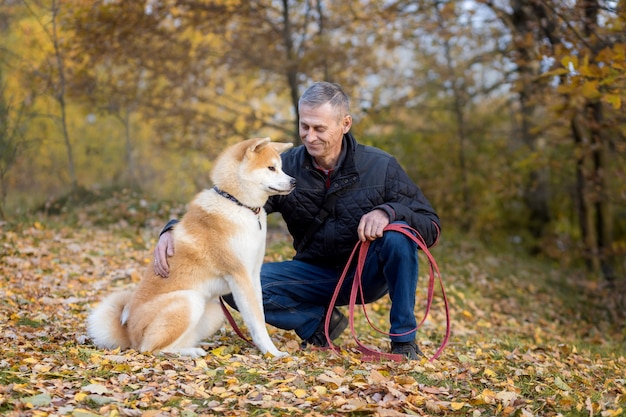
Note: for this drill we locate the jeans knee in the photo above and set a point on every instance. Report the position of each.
(398, 242)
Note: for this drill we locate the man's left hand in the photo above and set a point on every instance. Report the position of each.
(372, 225)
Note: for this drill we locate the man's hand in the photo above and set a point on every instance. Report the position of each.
(372, 225)
(163, 249)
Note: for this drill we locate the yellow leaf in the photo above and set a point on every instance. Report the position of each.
(80, 396)
(42, 368)
(489, 373)
(201, 364)
(417, 400)
(486, 397)
(613, 413)
(590, 71)
(220, 352)
(320, 390)
(590, 90)
(564, 89)
(23, 388)
(558, 71)
(281, 381)
(300, 393)
(456, 406)
(484, 323)
(567, 60)
(81, 412)
(614, 100)
(404, 380)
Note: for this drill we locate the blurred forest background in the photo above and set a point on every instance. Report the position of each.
(509, 114)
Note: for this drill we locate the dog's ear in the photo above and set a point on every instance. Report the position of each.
(280, 147)
(257, 145)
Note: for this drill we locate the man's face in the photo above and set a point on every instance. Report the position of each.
(321, 131)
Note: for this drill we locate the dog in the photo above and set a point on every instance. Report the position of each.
(219, 248)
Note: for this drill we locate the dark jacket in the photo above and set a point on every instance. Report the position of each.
(365, 178)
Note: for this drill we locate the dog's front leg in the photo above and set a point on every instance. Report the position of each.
(250, 304)
(258, 289)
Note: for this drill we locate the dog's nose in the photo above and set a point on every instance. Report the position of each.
(293, 182)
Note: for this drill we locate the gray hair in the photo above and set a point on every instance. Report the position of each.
(324, 92)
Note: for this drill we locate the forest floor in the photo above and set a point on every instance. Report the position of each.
(528, 338)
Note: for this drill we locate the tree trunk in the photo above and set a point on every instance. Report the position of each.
(291, 67)
(599, 201)
(580, 201)
(60, 97)
(459, 114)
(130, 161)
(536, 191)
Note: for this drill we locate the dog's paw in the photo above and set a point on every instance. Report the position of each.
(278, 354)
(193, 352)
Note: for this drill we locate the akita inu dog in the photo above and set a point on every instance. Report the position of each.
(219, 248)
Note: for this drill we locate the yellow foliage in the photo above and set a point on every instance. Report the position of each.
(615, 100)
(590, 90)
(568, 60)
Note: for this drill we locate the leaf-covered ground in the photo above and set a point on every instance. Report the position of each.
(528, 339)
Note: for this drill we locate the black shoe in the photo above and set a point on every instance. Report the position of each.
(410, 350)
(338, 323)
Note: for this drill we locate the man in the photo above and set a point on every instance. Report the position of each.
(361, 190)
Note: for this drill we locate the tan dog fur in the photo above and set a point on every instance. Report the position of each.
(219, 249)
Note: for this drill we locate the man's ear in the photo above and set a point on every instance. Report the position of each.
(346, 123)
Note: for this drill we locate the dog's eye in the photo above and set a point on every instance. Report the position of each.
(272, 168)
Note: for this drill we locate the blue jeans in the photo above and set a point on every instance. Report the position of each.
(296, 294)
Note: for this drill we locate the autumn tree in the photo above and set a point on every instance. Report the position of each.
(588, 69)
(12, 143)
(594, 94)
(532, 29)
(447, 108)
(13, 111)
(509, 113)
(40, 70)
(55, 79)
(562, 45)
(200, 62)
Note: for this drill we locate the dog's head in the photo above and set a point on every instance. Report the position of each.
(253, 167)
(262, 165)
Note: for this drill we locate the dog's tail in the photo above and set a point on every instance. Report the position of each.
(106, 324)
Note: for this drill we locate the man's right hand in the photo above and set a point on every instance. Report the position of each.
(163, 250)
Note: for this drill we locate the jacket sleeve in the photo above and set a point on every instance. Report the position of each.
(406, 202)
(273, 203)
(169, 226)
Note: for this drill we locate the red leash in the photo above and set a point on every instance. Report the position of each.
(232, 321)
(357, 287)
(370, 354)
